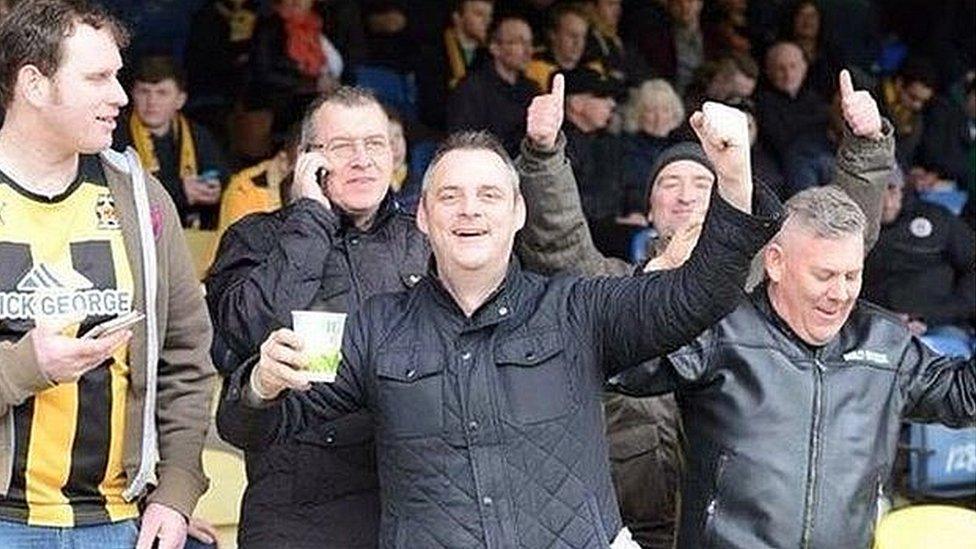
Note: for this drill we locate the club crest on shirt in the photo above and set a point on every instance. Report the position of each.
(108, 219)
(920, 227)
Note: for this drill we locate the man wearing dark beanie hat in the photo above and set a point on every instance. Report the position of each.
(644, 433)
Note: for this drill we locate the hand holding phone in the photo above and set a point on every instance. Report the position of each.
(311, 173)
(114, 325)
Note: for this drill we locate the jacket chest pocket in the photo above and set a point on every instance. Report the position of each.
(535, 377)
(410, 392)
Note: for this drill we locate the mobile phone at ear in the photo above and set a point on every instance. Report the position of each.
(114, 325)
(320, 176)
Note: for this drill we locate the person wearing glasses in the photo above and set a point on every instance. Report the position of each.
(341, 240)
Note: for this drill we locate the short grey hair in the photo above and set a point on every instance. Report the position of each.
(656, 89)
(344, 96)
(470, 141)
(828, 212)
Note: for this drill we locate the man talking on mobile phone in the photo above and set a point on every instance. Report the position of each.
(341, 240)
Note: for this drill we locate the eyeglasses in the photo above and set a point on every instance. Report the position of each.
(344, 149)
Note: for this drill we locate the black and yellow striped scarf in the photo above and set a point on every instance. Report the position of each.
(143, 142)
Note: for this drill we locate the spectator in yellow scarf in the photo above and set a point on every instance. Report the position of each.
(183, 155)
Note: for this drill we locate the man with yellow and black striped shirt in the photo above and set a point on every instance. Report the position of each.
(92, 430)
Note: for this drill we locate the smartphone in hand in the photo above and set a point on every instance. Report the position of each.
(114, 325)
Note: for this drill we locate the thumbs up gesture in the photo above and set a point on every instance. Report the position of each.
(545, 115)
(724, 135)
(859, 108)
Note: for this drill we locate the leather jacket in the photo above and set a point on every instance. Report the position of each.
(789, 444)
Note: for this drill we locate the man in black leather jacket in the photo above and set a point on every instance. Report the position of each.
(792, 404)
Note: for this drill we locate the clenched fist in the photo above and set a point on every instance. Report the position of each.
(724, 135)
(545, 115)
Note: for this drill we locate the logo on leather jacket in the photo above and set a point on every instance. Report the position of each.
(863, 355)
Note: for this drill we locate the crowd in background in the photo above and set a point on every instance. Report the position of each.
(222, 93)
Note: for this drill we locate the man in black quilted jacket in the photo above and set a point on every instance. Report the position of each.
(342, 240)
(484, 379)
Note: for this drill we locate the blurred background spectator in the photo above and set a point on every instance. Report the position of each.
(291, 62)
(650, 117)
(495, 96)
(793, 119)
(445, 63)
(182, 154)
(566, 44)
(924, 268)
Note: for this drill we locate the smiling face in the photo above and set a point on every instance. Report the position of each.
(356, 142)
(680, 195)
(814, 281)
(80, 102)
(470, 212)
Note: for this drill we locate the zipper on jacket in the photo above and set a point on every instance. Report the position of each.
(712, 506)
(809, 502)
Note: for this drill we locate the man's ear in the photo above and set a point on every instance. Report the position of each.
(181, 100)
(774, 261)
(519, 212)
(33, 86)
(422, 215)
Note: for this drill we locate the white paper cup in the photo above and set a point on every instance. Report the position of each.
(321, 335)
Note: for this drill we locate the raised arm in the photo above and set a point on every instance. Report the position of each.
(938, 388)
(556, 236)
(257, 280)
(639, 318)
(866, 155)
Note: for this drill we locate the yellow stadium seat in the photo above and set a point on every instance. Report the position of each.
(927, 527)
(221, 504)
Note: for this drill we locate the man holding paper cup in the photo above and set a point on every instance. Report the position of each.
(483, 379)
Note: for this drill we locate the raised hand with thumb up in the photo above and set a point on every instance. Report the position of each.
(859, 108)
(545, 115)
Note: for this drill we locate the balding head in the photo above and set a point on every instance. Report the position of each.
(786, 67)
